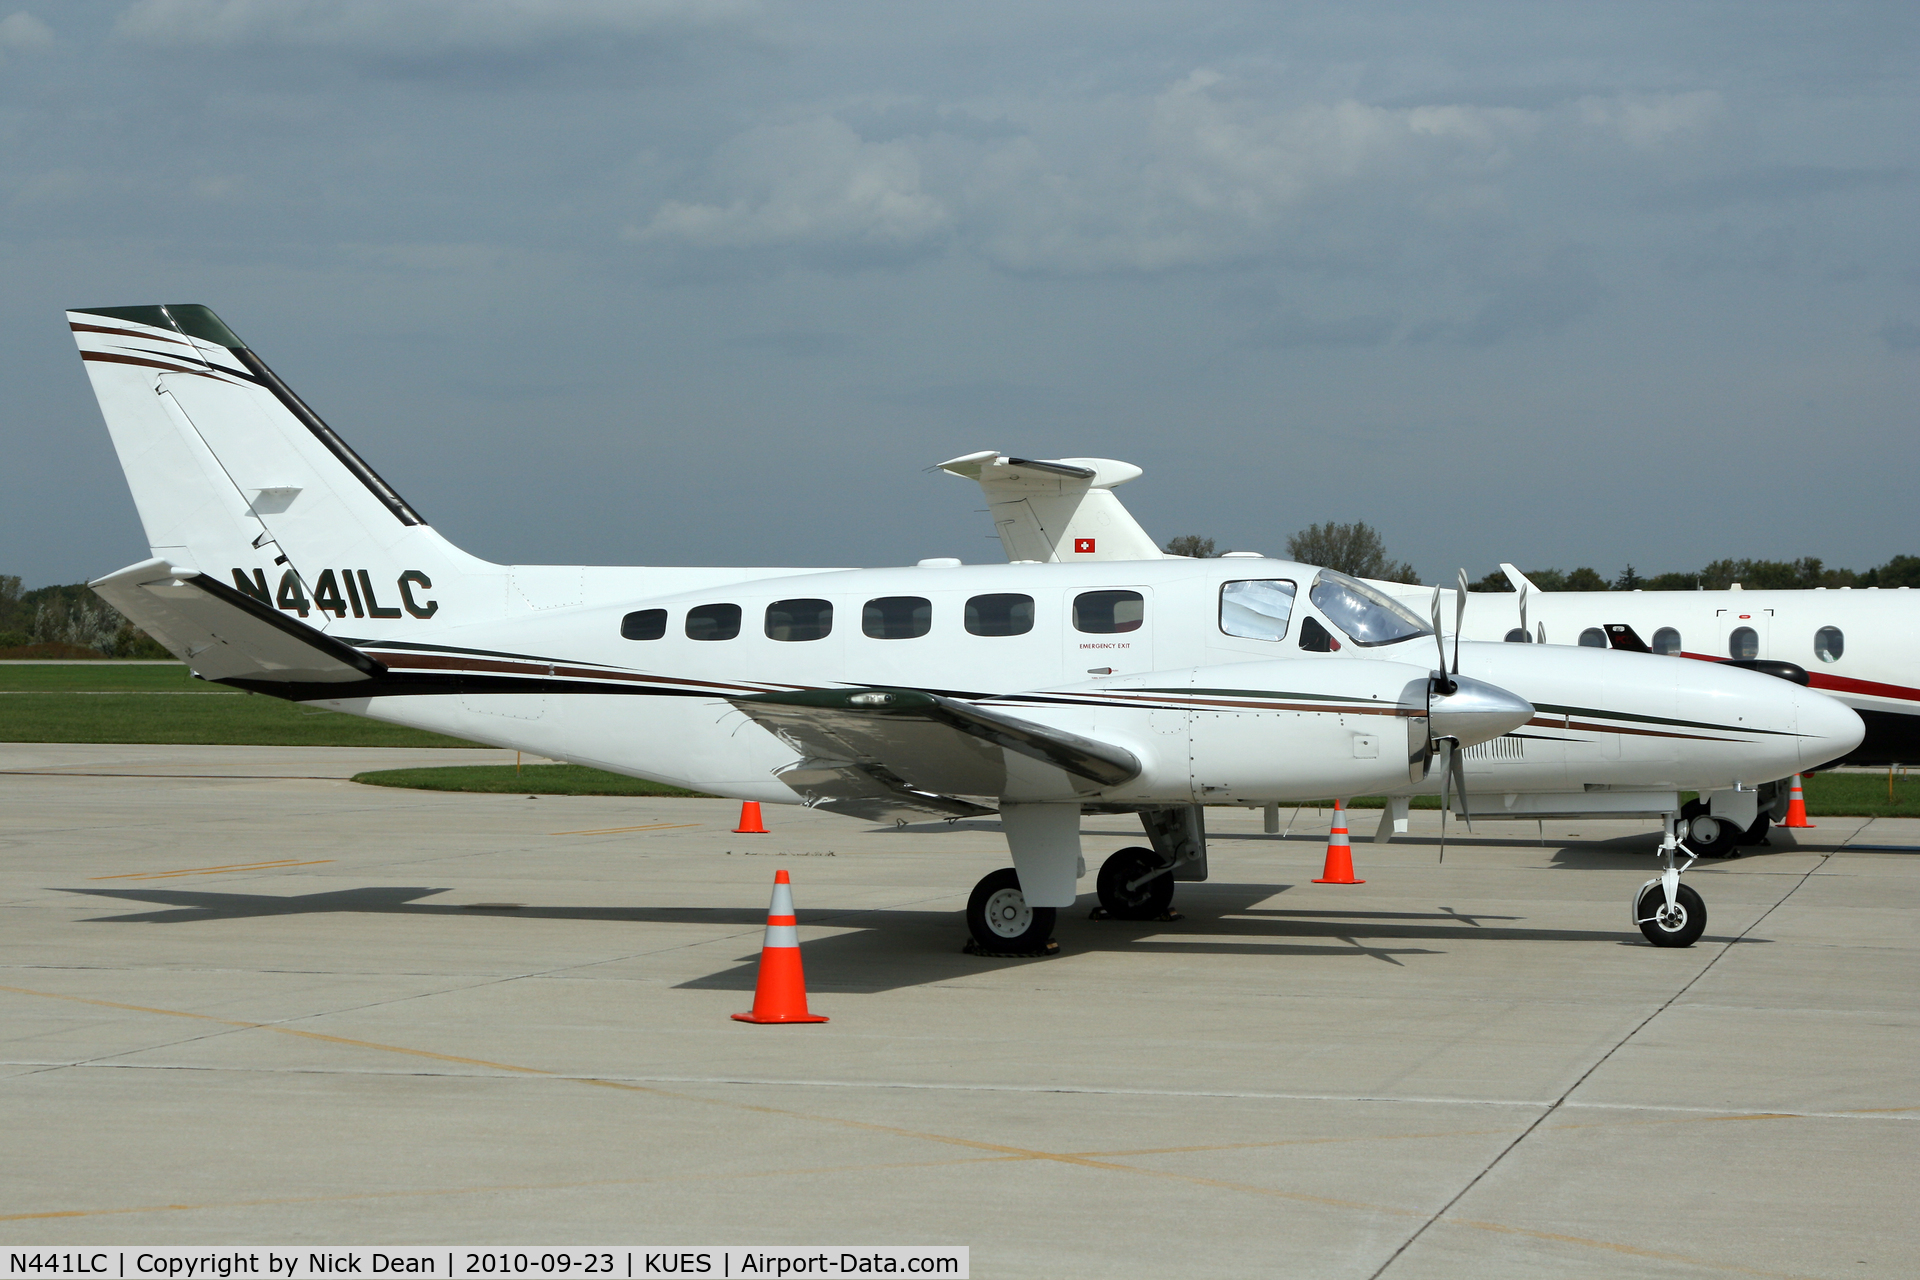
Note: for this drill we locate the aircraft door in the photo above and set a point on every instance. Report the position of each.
(1744, 633)
(1110, 632)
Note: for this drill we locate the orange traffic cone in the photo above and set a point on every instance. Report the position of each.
(780, 995)
(750, 824)
(1339, 869)
(1796, 806)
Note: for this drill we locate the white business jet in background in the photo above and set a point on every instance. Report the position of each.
(1568, 761)
(282, 563)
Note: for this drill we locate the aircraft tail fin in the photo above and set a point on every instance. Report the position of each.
(233, 473)
(1058, 509)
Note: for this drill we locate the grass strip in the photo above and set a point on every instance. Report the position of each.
(103, 702)
(527, 780)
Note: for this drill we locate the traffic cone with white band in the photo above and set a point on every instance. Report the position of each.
(750, 824)
(780, 995)
(1796, 806)
(1339, 868)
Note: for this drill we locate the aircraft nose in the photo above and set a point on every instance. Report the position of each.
(1476, 711)
(1829, 728)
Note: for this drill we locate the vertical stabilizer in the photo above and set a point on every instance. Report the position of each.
(1058, 509)
(235, 477)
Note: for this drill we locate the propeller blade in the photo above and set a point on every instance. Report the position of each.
(1446, 780)
(1523, 612)
(1433, 612)
(1459, 620)
(1543, 631)
(1459, 764)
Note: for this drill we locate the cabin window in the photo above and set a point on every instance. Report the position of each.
(1105, 613)
(1518, 636)
(1257, 609)
(646, 624)
(1593, 638)
(1666, 640)
(897, 617)
(713, 622)
(1744, 644)
(1829, 644)
(799, 619)
(1004, 614)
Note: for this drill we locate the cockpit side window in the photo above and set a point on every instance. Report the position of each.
(1257, 609)
(1315, 638)
(1369, 617)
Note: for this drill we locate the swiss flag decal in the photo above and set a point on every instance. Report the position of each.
(1082, 546)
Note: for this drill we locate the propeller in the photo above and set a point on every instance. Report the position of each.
(1459, 619)
(1523, 613)
(1442, 684)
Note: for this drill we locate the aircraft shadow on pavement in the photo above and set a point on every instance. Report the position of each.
(885, 950)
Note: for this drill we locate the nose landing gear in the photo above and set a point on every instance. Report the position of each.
(1670, 914)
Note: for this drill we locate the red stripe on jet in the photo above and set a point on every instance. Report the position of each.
(1841, 684)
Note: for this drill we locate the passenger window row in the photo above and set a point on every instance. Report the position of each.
(1743, 643)
(894, 617)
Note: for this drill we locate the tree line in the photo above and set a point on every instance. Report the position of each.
(1359, 550)
(69, 615)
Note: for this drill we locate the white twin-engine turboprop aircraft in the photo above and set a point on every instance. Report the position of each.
(283, 564)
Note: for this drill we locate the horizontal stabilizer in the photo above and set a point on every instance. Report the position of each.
(872, 744)
(225, 634)
(1058, 509)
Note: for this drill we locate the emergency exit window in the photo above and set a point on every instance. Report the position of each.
(1105, 613)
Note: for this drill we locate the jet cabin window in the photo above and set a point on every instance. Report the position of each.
(647, 624)
(897, 617)
(713, 622)
(1744, 644)
(1369, 617)
(1105, 613)
(1666, 640)
(1256, 610)
(1829, 644)
(799, 619)
(1593, 638)
(1000, 615)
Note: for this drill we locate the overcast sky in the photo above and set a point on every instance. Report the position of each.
(642, 281)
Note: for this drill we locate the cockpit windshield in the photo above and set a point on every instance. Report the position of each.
(1368, 616)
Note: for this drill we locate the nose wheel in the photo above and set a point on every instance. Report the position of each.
(1668, 913)
(1001, 921)
(1676, 924)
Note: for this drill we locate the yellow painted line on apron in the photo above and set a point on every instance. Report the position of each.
(614, 831)
(213, 871)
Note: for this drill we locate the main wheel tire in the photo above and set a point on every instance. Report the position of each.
(999, 918)
(1680, 927)
(1757, 833)
(1711, 837)
(1148, 901)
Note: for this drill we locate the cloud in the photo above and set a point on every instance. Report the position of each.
(479, 39)
(23, 33)
(1293, 330)
(1203, 172)
(808, 183)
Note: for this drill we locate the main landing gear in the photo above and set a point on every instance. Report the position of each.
(1135, 884)
(1670, 914)
(1000, 920)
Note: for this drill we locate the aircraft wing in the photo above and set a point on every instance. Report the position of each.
(871, 752)
(224, 634)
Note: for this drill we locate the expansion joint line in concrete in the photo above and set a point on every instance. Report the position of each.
(1444, 1210)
